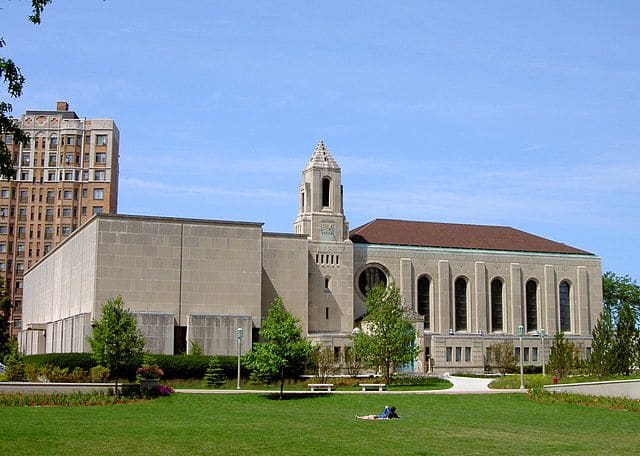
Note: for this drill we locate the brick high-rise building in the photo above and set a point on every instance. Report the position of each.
(67, 172)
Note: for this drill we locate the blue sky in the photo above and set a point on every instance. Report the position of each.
(523, 114)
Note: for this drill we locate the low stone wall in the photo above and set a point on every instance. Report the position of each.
(65, 388)
(618, 388)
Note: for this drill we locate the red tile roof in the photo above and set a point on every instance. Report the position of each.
(456, 236)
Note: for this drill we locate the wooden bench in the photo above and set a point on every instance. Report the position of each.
(378, 386)
(320, 386)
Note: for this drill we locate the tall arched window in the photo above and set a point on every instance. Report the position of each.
(461, 304)
(326, 187)
(496, 305)
(565, 307)
(531, 305)
(423, 300)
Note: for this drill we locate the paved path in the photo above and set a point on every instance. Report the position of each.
(461, 385)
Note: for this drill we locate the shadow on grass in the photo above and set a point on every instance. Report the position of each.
(293, 396)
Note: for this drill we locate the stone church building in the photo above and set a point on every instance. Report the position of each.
(465, 286)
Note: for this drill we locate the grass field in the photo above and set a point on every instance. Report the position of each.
(256, 424)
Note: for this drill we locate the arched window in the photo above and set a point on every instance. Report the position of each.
(565, 308)
(531, 305)
(496, 305)
(326, 187)
(461, 304)
(370, 277)
(423, 300)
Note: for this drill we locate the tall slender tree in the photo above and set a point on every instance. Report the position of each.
(601, 361)
(624, 350)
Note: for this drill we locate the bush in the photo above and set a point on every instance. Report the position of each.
(193, 366)
(99, 374)
(62, 360)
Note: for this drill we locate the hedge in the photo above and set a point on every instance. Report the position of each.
(174, 366)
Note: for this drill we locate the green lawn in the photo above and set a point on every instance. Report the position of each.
(254, 424)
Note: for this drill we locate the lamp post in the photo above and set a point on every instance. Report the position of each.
(542, 349)
(239, 332)
(520, 335)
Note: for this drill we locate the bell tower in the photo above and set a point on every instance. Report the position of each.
(320, 212)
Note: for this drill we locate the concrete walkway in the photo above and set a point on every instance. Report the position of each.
(461, 385)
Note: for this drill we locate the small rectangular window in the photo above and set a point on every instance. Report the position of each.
(526, 354)
(517, 352)
(101, 157)
(449, 352)
(101, 140)
(100, 174)
(98, 193)
(467, 354)
(534, 354)
(67, 194)
(326, 313)
(458, 354)
(97, 209)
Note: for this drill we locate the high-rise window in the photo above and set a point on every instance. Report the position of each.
(101, 157)
(101, 140)
(98, 193)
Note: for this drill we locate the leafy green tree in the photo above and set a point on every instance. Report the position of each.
(12, 77)
(624, 350)
(215, 376)
(502, 357)
(388, 338)
(116, 340)
(283, 349)
(601, 362)
(564, 356)
(617, 290)
(5, 314)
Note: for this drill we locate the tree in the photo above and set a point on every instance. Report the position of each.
(283, 350)
(116, 340)
(626, 336)
(615, 347)
(564, 356)
(5, 313)
(215, 376)
(325, 360)
(388, 339)
(601, 361)
(14, 80)
(617, 290)
(502, 357)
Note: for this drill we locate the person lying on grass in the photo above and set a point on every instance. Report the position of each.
(389, 413)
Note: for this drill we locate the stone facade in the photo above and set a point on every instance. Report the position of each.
(199, 281)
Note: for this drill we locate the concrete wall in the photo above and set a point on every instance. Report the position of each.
(330, 307)
(62, 283)
(285, 274)
(217, 333)
(180, 266)
(157, 329)
(617, 388)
